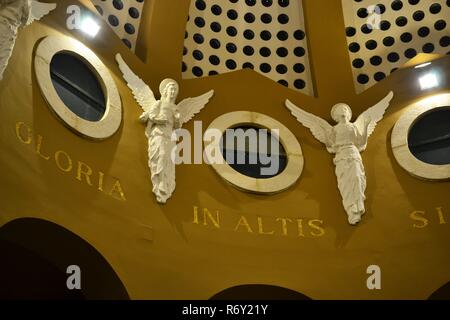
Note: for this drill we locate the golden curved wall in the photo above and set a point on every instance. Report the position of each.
(298, 239)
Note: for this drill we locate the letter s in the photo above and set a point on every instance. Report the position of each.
(415, 215)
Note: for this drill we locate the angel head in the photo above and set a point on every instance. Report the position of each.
(169, 89)
(341, 112)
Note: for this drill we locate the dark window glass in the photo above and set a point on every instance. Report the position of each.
(255, 159)
(429, 138)
(77, 86)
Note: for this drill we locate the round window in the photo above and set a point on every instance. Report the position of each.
(429, 137)
(260, 154)
(77, 86)
(420, 139)
(253, 151)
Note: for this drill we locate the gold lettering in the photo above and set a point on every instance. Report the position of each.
(243, 222)
(441, 215)
(196, 215)
(316, 227)
(68, 167)
(206, 213)
(261, 229)
(117, 188)
(65, 163)
(101, 177)
(300, 227)
(19, 126)
(85, 170)
(415, 215)
(284, 222)
(39, 147)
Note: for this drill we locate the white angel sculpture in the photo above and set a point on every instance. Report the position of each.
(346, 140)
(162, 117)
(15, 14)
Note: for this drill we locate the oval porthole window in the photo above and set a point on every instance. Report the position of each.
(258, 153)
(78, 87)
(253, 152)
(420, 139)
(429, 137)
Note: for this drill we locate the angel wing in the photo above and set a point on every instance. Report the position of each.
(189, 107)
(141, 91)
(8, 36)
(39, 10)
(320, 129)
(373, 114)
(11, 18)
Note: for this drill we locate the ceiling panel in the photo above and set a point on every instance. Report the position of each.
(383, 35)
(124, 17)
(265, 35)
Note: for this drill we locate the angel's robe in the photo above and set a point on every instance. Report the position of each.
(159, 133)
(13, 14)
(349, 169)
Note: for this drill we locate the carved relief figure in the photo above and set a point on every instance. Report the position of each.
(15, 14)
(346, 140)
(162, 117)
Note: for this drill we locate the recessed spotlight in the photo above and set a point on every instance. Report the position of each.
(422, 65)
(90, 27)
(428, 81)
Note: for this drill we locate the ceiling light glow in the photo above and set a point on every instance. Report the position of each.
(90, 27)
(428, 81)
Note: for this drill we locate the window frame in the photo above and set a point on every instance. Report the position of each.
(276, 184)
(109, 124)
(400, 145)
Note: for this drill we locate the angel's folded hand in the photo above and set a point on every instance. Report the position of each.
(144, 117)
(159, 120)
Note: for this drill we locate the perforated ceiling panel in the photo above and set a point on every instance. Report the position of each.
(265, 35)
(402, 29)
(124, 17)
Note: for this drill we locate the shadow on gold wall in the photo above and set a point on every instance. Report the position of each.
(259, 292)
(35, 255)
(443, 293)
